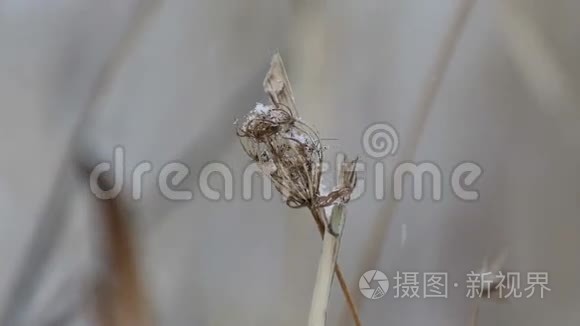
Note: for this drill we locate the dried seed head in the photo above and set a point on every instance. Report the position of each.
(264, 121)
(287, 150)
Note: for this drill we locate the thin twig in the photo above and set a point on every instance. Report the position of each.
(427, 97)
(475, 315)
(326, 267)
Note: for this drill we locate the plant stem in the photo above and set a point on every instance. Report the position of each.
(121, 297)
(320, 219)
(326, 267)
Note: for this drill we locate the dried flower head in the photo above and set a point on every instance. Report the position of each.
(286, 149)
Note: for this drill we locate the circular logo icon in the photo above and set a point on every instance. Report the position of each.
(381, 284)
(380, 140)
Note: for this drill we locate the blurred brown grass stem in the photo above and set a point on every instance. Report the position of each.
(51, 224)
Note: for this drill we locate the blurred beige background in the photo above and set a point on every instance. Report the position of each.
(507, 100)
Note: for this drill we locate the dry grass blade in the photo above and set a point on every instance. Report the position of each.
(326, 267)
(277, 85)
(318, 215)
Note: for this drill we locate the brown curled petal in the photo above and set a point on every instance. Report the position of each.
(345, 194)
(324, 201)
(293, 203)
(341, 195)
(328, 199)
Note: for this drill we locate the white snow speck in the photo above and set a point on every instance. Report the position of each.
(261, 108)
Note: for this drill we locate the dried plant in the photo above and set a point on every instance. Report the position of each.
(290, 153)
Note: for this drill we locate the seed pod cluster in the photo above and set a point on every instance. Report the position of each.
(286, 149)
